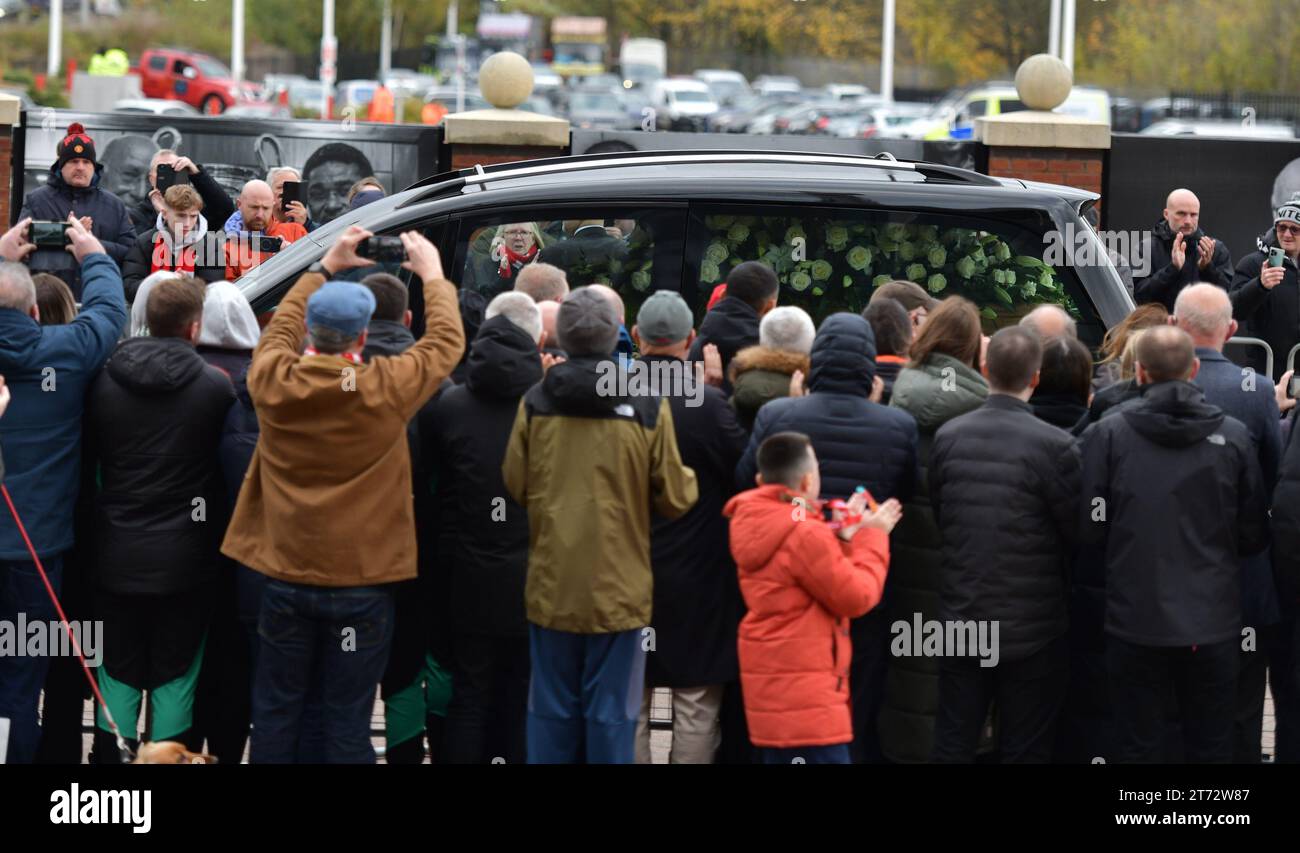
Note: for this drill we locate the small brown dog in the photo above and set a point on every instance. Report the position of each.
(170, 752)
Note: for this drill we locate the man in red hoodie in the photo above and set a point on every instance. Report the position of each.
(802, 580)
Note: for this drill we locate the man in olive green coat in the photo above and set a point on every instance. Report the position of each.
(590, 461)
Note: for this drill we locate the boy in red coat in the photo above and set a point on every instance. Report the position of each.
(802, 579)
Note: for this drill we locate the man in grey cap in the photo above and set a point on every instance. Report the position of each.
(325, 509)
(590, 463)
(696, 598)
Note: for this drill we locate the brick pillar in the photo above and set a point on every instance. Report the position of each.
(8, 122)
(486, 137)
(1048, 147)
(1073, 167)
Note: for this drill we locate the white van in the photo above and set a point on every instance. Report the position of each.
(682, 104)
(726, 86)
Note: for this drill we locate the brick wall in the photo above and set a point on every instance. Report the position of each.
(1079, 168)
(6, 177)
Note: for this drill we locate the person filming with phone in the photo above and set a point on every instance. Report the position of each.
(1177, 253)
(261, 235)
(166, 169)
(1265, 290)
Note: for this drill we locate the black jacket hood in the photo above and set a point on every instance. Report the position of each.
(504, 361)
(843, 356)
(588, 386)
(155, 365)
(386, 337)
(1173, 414)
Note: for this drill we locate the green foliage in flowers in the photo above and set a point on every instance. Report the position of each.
(862, 254)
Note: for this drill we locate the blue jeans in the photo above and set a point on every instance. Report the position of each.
(584, 696)
(322, 651)
(21, 677)
(837, 753)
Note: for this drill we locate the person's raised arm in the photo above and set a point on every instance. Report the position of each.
(281, 341)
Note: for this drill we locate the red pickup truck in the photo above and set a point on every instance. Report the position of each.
(195, 78)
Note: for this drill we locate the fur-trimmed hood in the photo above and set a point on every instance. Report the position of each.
(766, 358)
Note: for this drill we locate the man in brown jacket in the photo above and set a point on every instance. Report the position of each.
(325, 510)
(590, 460)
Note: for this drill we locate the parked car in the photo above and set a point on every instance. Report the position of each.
(597, 109)
(274, 84)
(682, 104)
(763, 122)
(768, 85)
(307, 95)
(846, 92)
(195, 78)
(695, 213)
(405, 83)
(354, 95)
(269, 110)
(154, 106)
(1221, 128)
(726, 86)
(446, 95)
(954, 116)
(887, 118)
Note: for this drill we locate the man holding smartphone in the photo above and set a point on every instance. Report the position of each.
(1266, 291)
(168, 168)
(260, 234)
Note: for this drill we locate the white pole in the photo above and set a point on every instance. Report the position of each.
(85, 13)
(237, 40)
(1067, 35)
(887, 54)
(453, 18)
(460, 73)
(54, 54)
(386, 42)
(328, 56)
(1054, 30)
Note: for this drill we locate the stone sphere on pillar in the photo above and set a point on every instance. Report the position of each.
(506, 80)
(1044, 82)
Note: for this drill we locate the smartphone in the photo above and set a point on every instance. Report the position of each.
(1293, 387)
(384, 250)
(1275, 256)
(50, 235)
(168, 177)
(269, 245)
(290, 191)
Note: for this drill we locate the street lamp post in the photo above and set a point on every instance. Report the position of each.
(54, 53)
(1067, 35)
(1054, 30)
(329, 48)
(237, 41)
(887, 54)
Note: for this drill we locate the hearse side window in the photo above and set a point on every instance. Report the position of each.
(831, 260)
(633, 250)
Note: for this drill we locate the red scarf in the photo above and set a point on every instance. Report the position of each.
(354, 357)
(510, 261)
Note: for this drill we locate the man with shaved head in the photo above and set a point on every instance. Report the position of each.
(261, 234)
(1050, 321)
(1174, 498)
(624, 339)
(1178, 253)
(1205, 313)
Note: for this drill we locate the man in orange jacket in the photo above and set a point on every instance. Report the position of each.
(261, 231)
(802, 580)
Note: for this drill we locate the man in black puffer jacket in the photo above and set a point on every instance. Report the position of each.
(74, 188)
(156, 414)
(858, 443)
(1179, 253)
(1007, 521)
(1172, 553)
(1266, 298)
(733, 323)
(466, 432)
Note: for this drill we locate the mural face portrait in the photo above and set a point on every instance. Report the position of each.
(126, 168)
(329, 173)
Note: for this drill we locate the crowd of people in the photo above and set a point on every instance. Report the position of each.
(887, 537)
